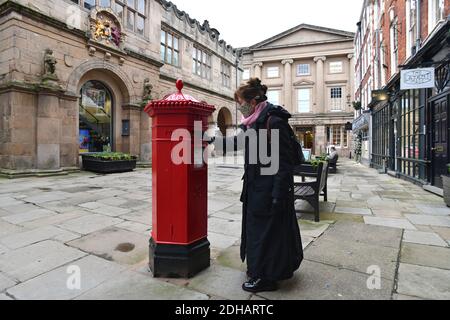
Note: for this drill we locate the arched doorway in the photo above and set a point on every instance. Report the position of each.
(95, 117)
(224, 121)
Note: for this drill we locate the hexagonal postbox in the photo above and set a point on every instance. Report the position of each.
(179, 247)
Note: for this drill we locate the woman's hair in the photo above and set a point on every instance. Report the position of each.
(253, 89)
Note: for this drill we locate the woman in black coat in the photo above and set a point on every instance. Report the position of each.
(271, 241)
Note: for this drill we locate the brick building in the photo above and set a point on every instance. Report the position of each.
(403, 131)
(75, 75)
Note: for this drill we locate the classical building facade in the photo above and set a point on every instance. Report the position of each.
(309, 70)
(408, 129)
(75, 75)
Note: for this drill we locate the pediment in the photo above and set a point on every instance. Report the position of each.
(304, 83)
(304, 34)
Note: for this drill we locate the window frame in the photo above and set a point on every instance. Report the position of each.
(278, 92)
(330, 68)
(334, 106)
(202, 67)
(225, 72)
(171, 47)
(299, 74)
(309, 90)
(271, 68)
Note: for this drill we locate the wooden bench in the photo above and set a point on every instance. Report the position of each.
(311, 191)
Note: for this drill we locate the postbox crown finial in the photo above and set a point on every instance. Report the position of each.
(179, 84)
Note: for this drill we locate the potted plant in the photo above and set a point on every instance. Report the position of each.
(356, 105)
(446, 186)
(108, 162)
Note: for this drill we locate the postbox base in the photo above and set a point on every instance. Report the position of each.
(179, 261)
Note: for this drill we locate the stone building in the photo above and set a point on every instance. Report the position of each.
(75, 75)
(309, 70)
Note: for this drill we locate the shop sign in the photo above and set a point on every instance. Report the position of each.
(417, 78)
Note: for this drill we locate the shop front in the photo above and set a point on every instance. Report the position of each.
(410, 129)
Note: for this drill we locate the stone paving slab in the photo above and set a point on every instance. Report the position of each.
(444, 233)
(53, 285)
(389, 222)
(360, 233)
(31, 261)
(21, 218)
(8, 229)
(397, 296)
(4, 297)
(360, 211)
(222, 282)
(424, 282)
(225, 227)
(427, 220)
(134, 286)
(425, 256)
(316, 281)
(135, 227)
(230, 258)
(106, 244)
(19, 240)
(354, 256)
(6, 282)
(221, 241)
(55, 219)
(89, 223)
(143, 216)
(427, 238)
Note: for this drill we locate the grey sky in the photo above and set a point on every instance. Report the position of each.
(246, 22)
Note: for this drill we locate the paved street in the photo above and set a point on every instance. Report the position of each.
(101, 224)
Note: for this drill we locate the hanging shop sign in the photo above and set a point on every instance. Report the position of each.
(417, 78)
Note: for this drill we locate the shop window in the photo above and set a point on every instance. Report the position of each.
(95, 115)
(170, 51)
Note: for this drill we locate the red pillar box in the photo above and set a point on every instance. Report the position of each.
(179, 247)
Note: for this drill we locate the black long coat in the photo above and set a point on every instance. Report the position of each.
(271, 240)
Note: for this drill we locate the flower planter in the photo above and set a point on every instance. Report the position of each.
(105, 166)
(446, 184)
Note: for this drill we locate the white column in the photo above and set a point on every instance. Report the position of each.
(258, 69)
(287, 87)
(320, 84)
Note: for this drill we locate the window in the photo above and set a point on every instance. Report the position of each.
(105, 3)
(435, 13)
(335, 135)
(303, 70)
(272, 72)
(201, 63)
(226, 74)
(394, 46)
(411, 22)
(304, 100)
(273, 96)
(336, 67)
(246, 74)
(336, 102)
(135, 15)
(170, 52)
(118, 9)
(89, 4)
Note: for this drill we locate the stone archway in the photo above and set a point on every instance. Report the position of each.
(225, 121)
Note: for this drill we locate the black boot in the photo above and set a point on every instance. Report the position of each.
(259, 285)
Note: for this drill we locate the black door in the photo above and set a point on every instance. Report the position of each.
(440, 143)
